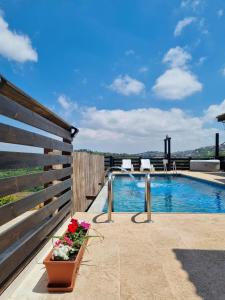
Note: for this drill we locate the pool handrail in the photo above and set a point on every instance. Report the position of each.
(110, 197)
(148, 197)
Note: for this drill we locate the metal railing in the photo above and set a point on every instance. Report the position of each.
(147, 197)
(110, 197)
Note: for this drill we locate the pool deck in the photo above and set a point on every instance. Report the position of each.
(218, 177)
(178, 256)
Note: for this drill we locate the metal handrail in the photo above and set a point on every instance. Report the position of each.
(110, 197)
(148, 197)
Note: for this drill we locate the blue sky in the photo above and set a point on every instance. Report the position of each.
(125, 72)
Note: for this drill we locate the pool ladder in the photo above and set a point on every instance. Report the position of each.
(147, 197)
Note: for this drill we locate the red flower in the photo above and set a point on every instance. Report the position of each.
(72, 227)
(74, 221)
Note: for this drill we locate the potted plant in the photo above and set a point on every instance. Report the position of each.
(63, 261)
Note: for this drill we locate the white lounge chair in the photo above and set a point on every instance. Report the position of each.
(126, 164)
(146, 165)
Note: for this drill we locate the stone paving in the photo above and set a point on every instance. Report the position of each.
(178, 256)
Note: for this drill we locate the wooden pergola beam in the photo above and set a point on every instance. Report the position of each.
(9, 90)
(221, 118)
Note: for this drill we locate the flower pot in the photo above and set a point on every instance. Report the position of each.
(62, 274)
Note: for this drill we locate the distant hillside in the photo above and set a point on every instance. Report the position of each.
(208, 151)
(200, 152)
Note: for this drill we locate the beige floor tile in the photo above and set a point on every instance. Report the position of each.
(179, 256)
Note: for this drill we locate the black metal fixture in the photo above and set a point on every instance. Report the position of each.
(167, 150)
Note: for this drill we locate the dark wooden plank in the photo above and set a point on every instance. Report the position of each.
(18, 230)
(15, 111)
(221, 118)
(14, 209)
(10, 90)
(21, 249)
(67, 153)
(13, 135)
(16, 160)
(17, 184)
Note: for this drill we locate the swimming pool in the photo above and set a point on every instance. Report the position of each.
(169, 194)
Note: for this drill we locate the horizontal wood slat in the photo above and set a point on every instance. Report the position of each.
(14, 209)
(13, 92)
(17, 184)
(15, 160)
(20, 251)
(53, 137)
(18, 230)
(15, 111)
(13, 135)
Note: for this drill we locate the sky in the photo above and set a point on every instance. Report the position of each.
(126, 73)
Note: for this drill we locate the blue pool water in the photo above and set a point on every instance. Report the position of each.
(169, 194)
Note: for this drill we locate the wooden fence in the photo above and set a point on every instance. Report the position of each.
(88, 178)
(19, 241)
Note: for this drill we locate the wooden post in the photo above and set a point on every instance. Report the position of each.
(47, 168)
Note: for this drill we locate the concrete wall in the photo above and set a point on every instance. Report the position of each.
(212, 165)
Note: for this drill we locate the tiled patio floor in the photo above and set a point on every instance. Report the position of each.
(179, 256)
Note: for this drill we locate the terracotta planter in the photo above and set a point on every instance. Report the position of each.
(62, 274)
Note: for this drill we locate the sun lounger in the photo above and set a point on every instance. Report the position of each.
(146, 165)
(126, 164)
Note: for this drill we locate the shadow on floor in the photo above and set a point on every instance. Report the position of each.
(41, 286)
(206, 270)
(134, 217)
(97, 221)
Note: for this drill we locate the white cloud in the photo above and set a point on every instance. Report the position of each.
(127, 86)
(220, 13)
(143, 69)
(213, 111)
(66, 103)
(15, 46)
(99, 134)
(223, 71)
(201, 60)
(177, 57)
(143, 129)
(176, 84)
(182, 24)
(202, 26)
(178, 81)
(129, 52)
(193, 4)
